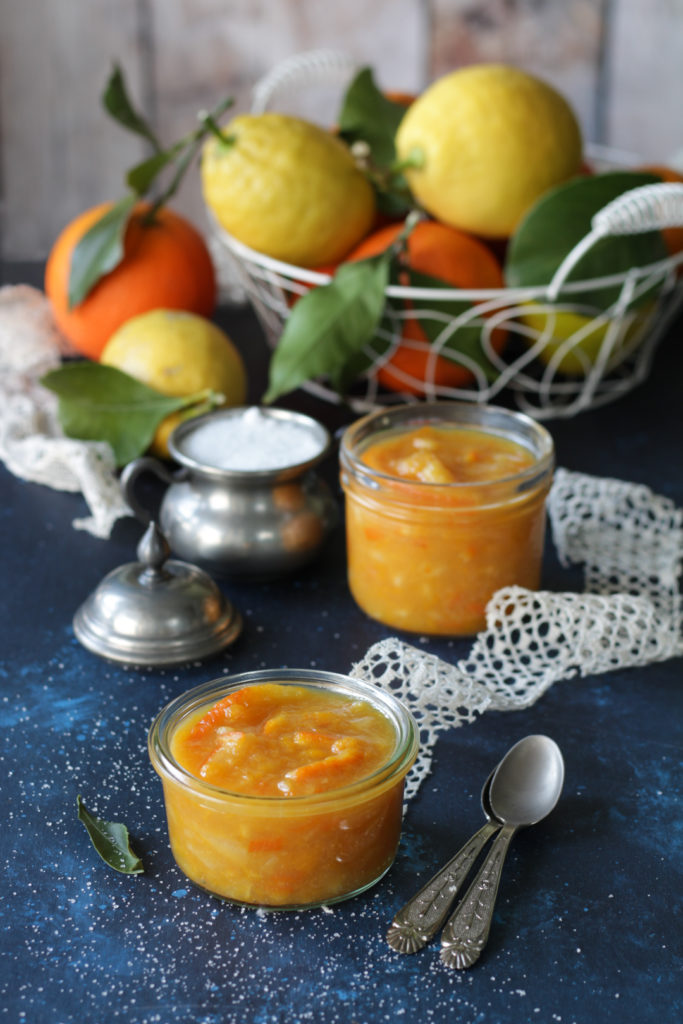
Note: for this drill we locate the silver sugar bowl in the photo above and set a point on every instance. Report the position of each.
(246, 522)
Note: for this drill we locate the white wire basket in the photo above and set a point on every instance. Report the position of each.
(533, 363)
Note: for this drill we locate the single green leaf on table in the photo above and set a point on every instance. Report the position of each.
(100, 403)
(560, 219)
(116, 102)
(99, 250)
(465, 340)
(328, 327)
(111, 840)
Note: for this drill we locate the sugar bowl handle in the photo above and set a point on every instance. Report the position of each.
(130, 475)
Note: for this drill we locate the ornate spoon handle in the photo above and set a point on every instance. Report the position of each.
(422, 916)
(467, 930)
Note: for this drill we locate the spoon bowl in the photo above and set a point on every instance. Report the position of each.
(527, 783)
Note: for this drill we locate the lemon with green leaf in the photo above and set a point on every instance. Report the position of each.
(179, 354)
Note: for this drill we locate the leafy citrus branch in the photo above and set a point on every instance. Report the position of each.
(101, 248)
(368, 121)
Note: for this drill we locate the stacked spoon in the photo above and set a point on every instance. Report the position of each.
(521, 791)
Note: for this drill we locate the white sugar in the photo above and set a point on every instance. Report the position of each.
(252, 440)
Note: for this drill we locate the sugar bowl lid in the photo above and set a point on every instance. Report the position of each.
(156, 611)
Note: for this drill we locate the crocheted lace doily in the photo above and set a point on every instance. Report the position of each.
(630, 542)
(32, 443)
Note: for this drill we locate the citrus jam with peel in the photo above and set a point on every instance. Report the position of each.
(284, 789)
(445, 504)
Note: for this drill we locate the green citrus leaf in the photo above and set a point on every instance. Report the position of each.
(117, 103)
(209, 121)
(100, 403)
(99, 250)
(328, 327)
(466, 340)
(110, 839)
(180, 165)
(142, 176)
(561, 218)
(394, 199)
(368, 116)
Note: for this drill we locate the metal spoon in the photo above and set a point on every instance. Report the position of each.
(525, 788)
(420, 918)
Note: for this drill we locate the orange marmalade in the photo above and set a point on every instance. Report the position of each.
(284, 792)
(445, 504)
(275, 740)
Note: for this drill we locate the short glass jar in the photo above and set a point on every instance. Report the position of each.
(427, 557)
(284, 853)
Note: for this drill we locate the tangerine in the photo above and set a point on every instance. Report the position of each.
(673, 237)
(166, 264)
(457, 259)
(404, 99)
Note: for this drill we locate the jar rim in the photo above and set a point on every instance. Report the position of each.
(401, 759)
(491, 419)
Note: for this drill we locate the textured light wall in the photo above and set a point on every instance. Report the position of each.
(618, 61)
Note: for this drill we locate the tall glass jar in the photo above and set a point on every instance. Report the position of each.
(284, 852)
(427, 557)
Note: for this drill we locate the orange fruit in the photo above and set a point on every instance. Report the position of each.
(404, 99)
(673, 237)
(457, 259)
(166, 264)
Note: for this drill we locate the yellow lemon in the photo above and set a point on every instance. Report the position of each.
(484, 143)
(287, 188)
(579, 337)
(178, 354)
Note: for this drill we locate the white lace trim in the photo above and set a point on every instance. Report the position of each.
(32, 443)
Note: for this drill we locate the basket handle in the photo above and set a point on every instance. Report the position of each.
(647, 208)
(299, 69)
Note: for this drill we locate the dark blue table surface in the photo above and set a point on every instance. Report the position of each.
(588, 924)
